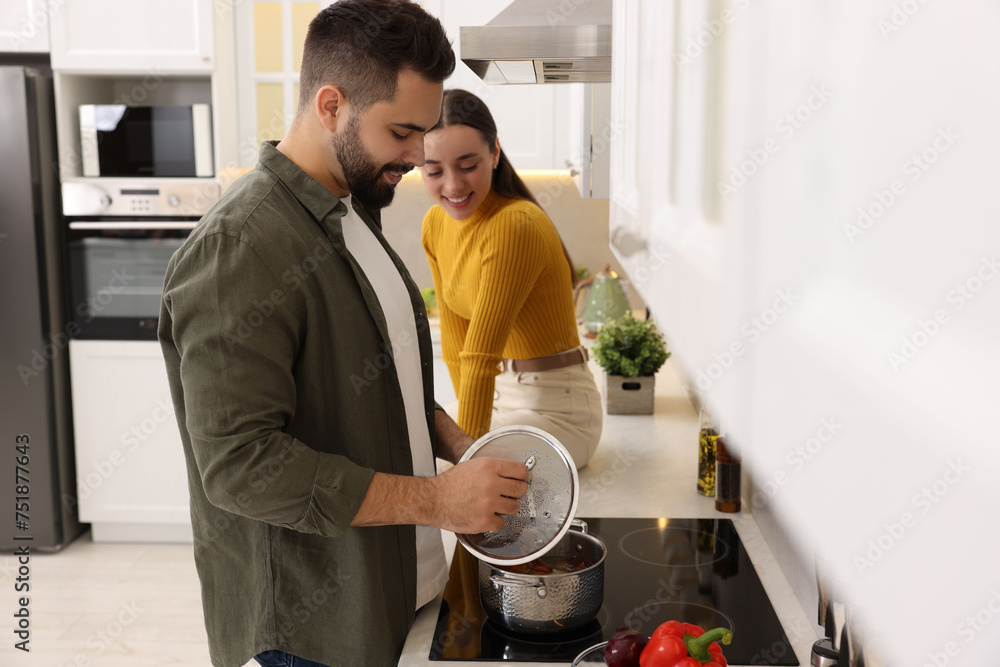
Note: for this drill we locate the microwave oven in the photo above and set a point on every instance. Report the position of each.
(146, 141)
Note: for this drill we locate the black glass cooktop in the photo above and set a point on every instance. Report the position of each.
(691, 570)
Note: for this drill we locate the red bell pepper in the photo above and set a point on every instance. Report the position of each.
(676, 644)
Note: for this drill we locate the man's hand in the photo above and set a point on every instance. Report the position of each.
(465, 499)
(472, 494)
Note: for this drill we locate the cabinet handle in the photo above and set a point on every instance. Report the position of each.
(134, 224)
(626, 242)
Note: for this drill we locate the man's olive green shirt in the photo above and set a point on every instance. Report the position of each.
(281, 373)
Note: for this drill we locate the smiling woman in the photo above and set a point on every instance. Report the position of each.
(504, 283)
(456, 178)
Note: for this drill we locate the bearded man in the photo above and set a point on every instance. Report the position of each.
(299, 362)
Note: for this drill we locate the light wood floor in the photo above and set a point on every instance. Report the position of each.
(107, 605)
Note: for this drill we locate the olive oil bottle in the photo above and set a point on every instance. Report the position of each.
(708, 434)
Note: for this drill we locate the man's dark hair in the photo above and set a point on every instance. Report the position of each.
(361, 46)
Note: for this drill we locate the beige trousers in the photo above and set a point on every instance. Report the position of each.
(563, 402)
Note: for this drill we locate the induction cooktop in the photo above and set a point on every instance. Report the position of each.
(691, 570)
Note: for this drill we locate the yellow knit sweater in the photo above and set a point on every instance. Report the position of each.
(503, 291)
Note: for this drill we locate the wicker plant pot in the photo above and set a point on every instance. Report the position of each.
(629, 395)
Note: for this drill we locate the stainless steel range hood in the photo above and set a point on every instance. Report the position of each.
(542, 41)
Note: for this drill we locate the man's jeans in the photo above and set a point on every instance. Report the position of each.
(282, 659)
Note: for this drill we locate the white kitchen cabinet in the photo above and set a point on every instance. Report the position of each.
(149, 36)
(662, 198)
(803, 194)
(131, 475)
(531, 119)
(24, 27)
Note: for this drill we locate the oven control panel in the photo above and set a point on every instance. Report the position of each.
(133, 198)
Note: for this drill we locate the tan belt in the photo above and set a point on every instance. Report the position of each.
(577, 355)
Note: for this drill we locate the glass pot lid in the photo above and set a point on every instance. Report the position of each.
(548, 507)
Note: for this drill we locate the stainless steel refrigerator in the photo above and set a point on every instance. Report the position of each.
(37, 471)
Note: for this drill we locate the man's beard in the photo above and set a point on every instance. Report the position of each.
(362, 174)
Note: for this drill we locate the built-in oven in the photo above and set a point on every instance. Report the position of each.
(116, 275)
(132, 480)
(120, 237)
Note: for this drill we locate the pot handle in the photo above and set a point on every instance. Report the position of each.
(501, 580)
(581, 524)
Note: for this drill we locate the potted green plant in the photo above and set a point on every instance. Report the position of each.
(630, 351)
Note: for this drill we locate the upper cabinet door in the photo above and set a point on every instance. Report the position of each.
(153, 36)
(24, 27)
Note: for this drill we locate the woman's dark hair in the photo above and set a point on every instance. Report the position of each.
(460, 107)
(362, 45)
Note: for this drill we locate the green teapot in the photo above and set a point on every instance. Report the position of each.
(606, 299)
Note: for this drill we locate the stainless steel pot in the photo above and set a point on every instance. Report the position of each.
(538, 603)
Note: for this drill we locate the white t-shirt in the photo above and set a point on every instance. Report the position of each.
(432, 567)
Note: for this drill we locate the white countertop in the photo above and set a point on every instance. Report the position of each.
(646, 466)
